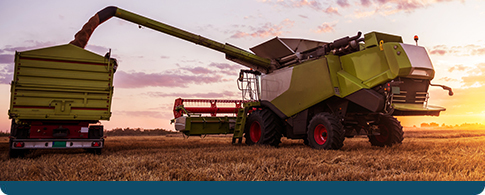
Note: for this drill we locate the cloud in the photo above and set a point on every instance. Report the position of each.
(197, 70)
(227, 69)
(302, 3)
(447, 79)
(141, 79)
(438, 52)
(467, 50)
(226, 66)
(181, 77)
(266, 30)
(7, 58)
(331, 10)
(210, 95)
(365, 3)
(101, 50)
(343, 3)
(6, 74)
(457, 68)
(32, 45)
(325, 27)
(312, 4)
(478, 51)
(389, 7)
(476, 77)
(364, 8)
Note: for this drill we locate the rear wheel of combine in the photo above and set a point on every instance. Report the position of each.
(390, 132)
(305, 141)
(325, 132)
(263, 127)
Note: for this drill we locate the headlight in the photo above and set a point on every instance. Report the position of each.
(417, 72)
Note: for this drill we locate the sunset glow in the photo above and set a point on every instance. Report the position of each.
(155, 68)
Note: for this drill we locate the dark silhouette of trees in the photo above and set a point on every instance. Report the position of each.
(137, 132)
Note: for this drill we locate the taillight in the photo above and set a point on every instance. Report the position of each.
(387, 87)
(18, 144)
(96, 144)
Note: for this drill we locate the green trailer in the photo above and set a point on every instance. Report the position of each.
(58, 96)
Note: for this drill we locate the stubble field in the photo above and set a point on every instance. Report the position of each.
(444, 155)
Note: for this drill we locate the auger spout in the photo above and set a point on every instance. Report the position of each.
(238, 55)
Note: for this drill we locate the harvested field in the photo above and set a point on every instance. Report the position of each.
(424, 155)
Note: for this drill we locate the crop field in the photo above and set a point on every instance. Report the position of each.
(429, 155)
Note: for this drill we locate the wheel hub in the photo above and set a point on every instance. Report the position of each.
(383, 134)
(255, 131)
(320, 134)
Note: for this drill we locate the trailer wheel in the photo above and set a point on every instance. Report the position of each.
(16, 153)
(390, 132)
(325, 132)
(95, 151)
(263, 127)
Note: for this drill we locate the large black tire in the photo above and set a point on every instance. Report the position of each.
(263, 127)
(390, 132)
(325, 131)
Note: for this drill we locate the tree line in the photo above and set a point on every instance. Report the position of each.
(137, 132)
(124, 132)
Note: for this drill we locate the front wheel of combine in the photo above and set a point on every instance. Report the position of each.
(390, 130)
(325, 132)
(263, 127)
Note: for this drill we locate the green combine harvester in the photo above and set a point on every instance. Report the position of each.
(320, 92)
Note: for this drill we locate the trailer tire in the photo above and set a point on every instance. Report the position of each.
(95, 151)
(16, 153)
(391, 132)
(325, 132)
(263, 127)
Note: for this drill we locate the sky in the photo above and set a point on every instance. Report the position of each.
(155, 68)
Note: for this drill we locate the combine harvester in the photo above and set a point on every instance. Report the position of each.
(320, 92)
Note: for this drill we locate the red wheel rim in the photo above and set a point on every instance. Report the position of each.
(320, 134)
(255, 132)
(384, 134)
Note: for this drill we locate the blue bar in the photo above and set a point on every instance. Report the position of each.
(242, 187)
